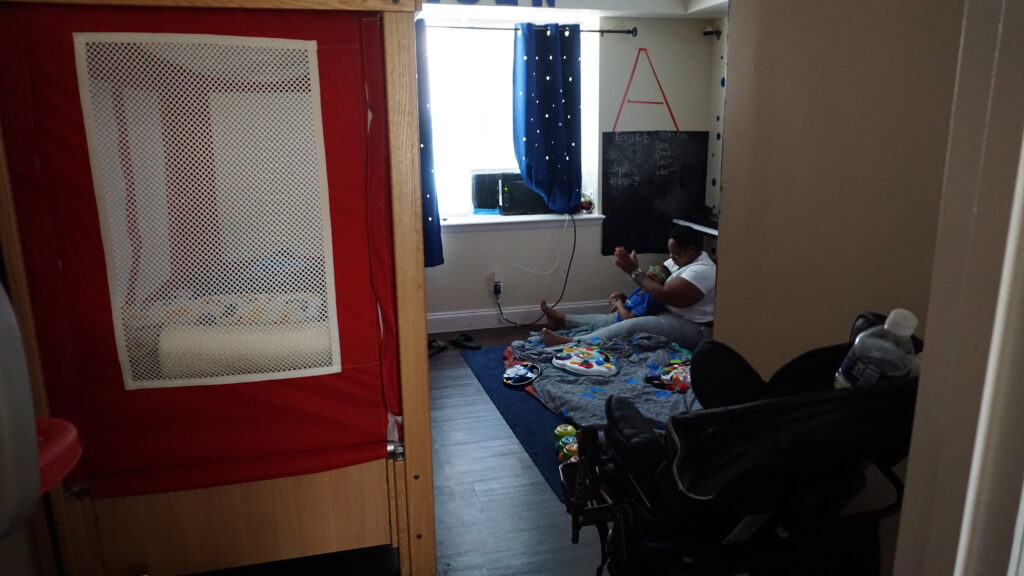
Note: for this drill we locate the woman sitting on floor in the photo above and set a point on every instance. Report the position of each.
(688, 296)
(638, 303)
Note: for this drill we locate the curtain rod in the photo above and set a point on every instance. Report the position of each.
(631, 31)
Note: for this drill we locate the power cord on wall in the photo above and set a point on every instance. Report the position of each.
(558, 258)
(565, 282)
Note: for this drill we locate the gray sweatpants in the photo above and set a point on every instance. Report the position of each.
(686, 333)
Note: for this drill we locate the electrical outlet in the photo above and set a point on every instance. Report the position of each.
(496, 282)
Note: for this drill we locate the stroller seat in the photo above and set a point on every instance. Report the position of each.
(758, 484)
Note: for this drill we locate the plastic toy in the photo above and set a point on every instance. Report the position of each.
(674, 377)
(677, 378)
(562, 431)
(565, 441)
(569, 452)
(520, 375)
(585, 360)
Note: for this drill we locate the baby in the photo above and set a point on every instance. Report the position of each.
(638, 303)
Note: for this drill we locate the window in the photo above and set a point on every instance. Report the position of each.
(471, 105)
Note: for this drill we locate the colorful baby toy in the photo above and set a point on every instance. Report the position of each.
(674, 377)
(562, 431)
(565, 442)
(570, 452)
(585, 360)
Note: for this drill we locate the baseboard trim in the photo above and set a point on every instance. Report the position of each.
(462, 320)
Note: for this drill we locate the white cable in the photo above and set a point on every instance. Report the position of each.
(557, 260)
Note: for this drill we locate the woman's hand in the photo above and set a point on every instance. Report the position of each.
(626, 261)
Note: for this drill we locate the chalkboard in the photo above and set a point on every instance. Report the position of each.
(647, 179)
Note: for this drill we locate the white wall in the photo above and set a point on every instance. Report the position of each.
(459, 293)
(681, 58)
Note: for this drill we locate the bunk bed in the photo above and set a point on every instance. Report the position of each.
(210, 215)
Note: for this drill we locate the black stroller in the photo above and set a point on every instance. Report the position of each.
(756, 483)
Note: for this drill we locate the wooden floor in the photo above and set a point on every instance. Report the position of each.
(495, 514)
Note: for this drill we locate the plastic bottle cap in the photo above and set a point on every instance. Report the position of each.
(901, 322)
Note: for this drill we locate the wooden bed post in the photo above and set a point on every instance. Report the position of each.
(406, 210)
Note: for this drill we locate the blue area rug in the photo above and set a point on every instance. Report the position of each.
(531, 421)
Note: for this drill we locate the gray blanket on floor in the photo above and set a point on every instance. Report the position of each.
(581, 398)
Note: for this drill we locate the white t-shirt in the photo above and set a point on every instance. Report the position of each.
(701, 273)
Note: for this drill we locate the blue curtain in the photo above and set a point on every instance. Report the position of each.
(433, 255)
(546, 112)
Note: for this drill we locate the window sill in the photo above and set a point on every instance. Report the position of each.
(492, 222)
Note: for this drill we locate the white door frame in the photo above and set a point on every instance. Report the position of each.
(965, 372)
(992, 509)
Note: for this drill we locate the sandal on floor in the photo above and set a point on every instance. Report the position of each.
(464, 341)
(435, 347)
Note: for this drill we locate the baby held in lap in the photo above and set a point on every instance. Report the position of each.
(638, 303)
(688, 296)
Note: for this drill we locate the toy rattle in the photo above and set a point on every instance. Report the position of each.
(520, 375)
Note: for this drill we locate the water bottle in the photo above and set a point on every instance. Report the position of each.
(881, 352)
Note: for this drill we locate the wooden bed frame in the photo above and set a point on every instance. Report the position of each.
(376, 503)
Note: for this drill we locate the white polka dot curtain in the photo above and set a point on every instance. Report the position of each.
(546, 112)
(433, 253)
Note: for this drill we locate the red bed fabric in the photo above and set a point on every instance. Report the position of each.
(144, 441)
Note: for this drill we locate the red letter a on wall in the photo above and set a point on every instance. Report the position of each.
(625, 95)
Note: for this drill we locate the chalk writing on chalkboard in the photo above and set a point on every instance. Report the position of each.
(647, 179)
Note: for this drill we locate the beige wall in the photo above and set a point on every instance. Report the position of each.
(835, 143)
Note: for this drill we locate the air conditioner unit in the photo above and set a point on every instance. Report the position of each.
(486, 191)
(518, 198)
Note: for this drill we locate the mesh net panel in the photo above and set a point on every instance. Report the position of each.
(208, 167)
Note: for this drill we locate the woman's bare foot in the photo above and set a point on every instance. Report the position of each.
(552, 339)
(556, 320)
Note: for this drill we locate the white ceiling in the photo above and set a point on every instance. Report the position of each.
(452, 10)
